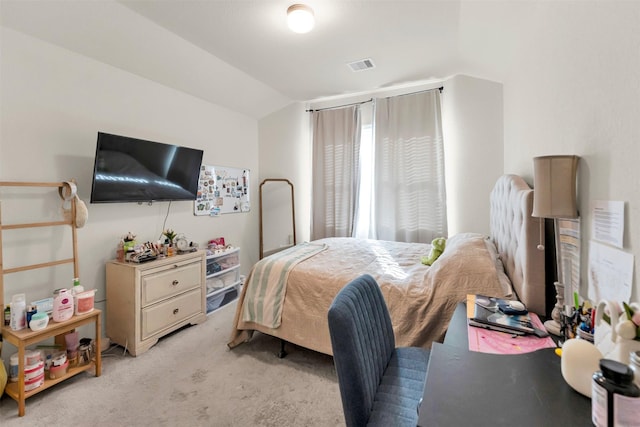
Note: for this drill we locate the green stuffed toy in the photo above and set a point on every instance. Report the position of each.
(437, 247)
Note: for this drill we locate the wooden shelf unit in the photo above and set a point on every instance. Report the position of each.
(25, 337)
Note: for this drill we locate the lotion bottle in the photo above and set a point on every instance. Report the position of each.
(18, 312)
(63, 306)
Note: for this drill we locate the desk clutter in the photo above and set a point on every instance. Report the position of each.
(483, 389)
(600, 350)
(129, 250)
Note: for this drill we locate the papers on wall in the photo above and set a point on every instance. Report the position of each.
(222, 190)
(610, 273)
(608, 222)
(569, 234)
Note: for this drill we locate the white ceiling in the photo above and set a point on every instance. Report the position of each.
(410, 40)
(240, 54)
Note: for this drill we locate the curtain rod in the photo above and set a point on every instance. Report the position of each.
(340, 106)
(370, 100)
(420, 91)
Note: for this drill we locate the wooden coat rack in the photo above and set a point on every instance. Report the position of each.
(67, 221)
(25, 337)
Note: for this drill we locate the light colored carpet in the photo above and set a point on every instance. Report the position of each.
(191, 378)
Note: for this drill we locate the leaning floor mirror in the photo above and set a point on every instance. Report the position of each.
(277, 216)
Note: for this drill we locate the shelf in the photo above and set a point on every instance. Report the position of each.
(229, 278)
(24, 337)
(221, 272)
(221, 290)
(221, 254)
(28, 337)
(227, 295)
(12, 387)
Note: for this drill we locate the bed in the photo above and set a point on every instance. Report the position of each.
(287, 295)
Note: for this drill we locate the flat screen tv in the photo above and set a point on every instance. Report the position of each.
(134, 170)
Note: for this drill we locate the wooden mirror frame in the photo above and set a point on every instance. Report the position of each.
(293, 211)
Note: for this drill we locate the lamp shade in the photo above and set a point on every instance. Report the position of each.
(554, 186)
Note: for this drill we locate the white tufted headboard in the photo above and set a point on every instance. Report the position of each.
(516, 235)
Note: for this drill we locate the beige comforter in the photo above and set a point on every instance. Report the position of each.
(420, 299)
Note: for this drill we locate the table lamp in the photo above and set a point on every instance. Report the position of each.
(554, 196)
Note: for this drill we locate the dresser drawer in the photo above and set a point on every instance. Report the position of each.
(157, 286)
(168, 313)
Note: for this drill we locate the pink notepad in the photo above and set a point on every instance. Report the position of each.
(487, 341)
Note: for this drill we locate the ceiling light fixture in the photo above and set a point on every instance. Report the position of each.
(300, 18)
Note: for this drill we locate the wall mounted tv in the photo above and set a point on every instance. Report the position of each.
(134, 170)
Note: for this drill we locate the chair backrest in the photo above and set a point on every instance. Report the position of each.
(363, 342)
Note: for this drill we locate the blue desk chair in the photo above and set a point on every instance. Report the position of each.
(380, 385)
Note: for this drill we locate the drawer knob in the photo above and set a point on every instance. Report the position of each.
(175, 283)
(176, 310)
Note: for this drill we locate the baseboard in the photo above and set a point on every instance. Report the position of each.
(105, 343)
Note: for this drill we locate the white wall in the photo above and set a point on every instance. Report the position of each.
(571, 75)
(53, 104)
(472, 127)
(285, 152)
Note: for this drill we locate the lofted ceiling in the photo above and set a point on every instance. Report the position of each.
(240, 54)
(407, 40)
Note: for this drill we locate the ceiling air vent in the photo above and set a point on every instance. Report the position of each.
(361, 65)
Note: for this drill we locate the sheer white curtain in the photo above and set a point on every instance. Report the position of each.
(336, 171)
(409, 188)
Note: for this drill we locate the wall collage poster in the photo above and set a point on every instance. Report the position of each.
(222, 190)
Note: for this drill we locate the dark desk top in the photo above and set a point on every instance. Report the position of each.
(457, 333)
(480, 389)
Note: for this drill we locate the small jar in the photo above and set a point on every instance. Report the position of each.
(171, 251)
(634, 363)
(31, 310)
(614, 396)
(120, 252)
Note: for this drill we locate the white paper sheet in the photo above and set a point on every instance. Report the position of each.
(610, 273)
(608, 222)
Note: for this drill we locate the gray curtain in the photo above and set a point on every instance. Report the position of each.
(409, 188)
(336, 171)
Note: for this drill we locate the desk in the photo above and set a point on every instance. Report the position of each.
(471, 388)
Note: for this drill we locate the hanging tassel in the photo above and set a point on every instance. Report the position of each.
(541, 228)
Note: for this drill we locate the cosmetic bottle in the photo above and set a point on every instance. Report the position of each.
(615, 399)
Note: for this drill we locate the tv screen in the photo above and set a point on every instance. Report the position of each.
(134, 170)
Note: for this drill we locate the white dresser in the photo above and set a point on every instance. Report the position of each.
(147, 301)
